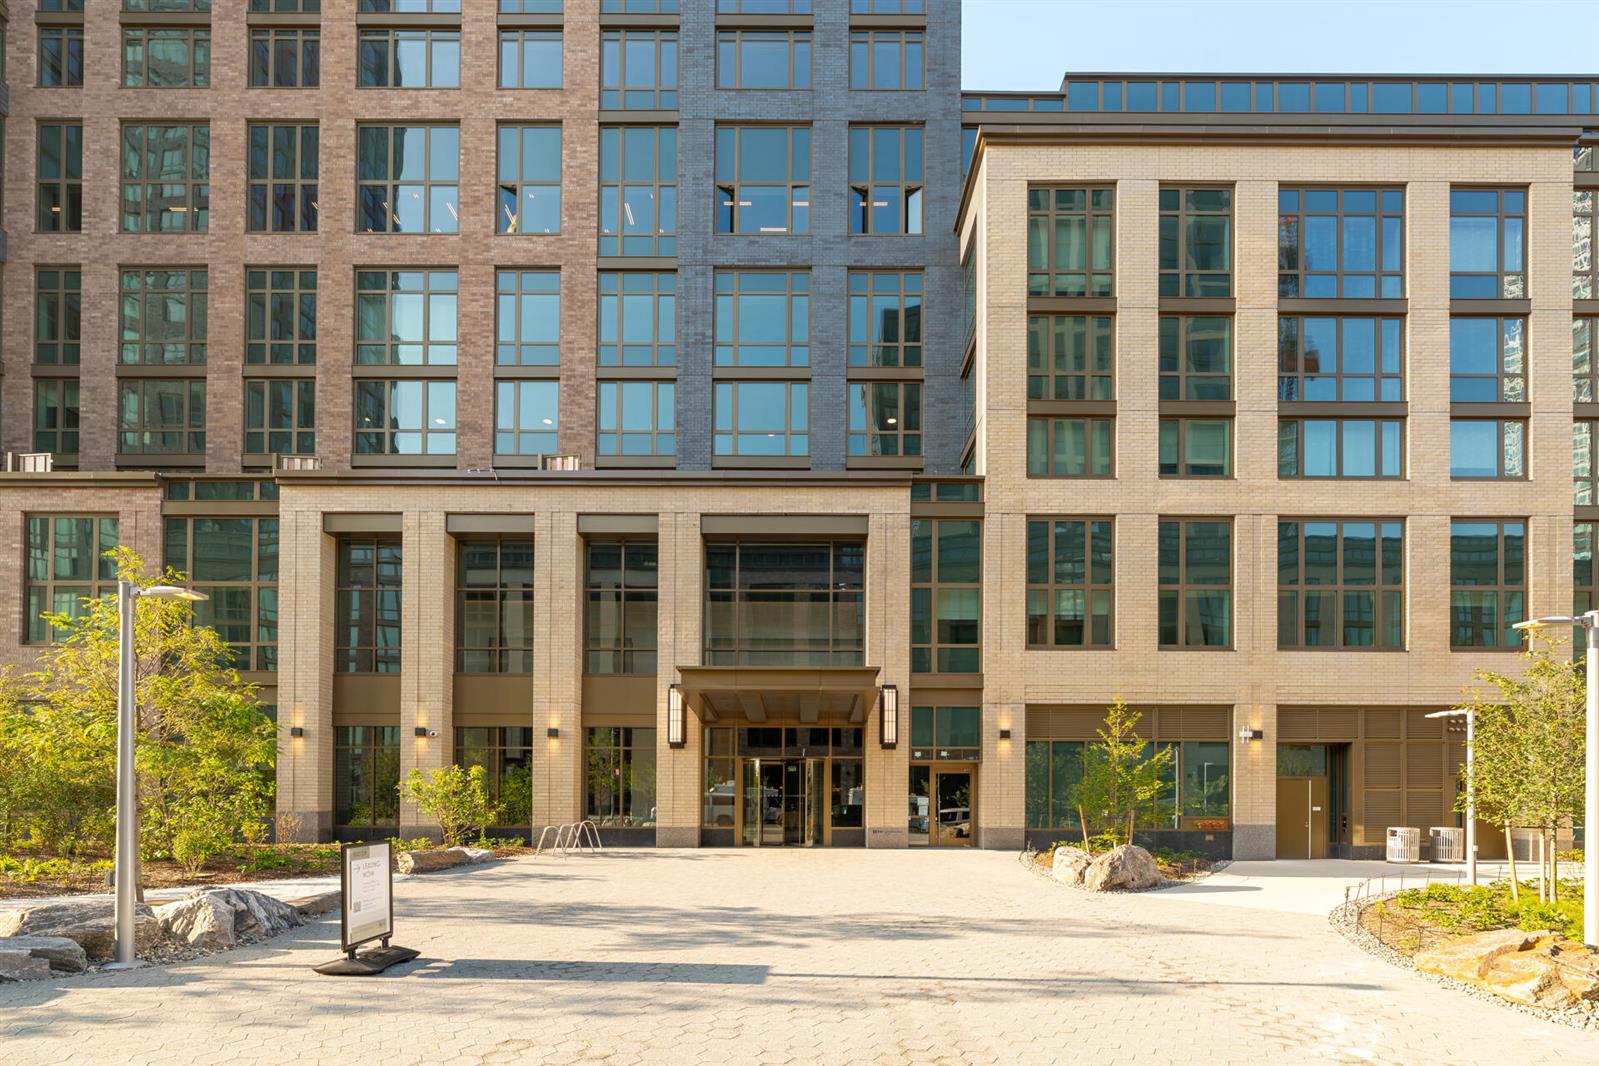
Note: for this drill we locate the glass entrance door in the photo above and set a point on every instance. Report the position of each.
(953, 819)
(764, 805)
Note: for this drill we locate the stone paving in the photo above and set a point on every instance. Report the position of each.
(786, 956)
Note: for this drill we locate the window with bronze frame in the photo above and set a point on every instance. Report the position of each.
(408, 179)
(885, 418)
(886, 59)
(1488, 576)
(887, 7)
(506, 755)
(885, 179)
(1054, 768)
(279, 317)
(763, 318)
(1340, 584)
(1487, 360)
(1196, 357)
(1071, 575)
(285, 57)
(57, 316)
(1071, 357)
(763, 179)
(1585, 576)
(234, 561)
(1583, 470)
(529, 180)
(530, 59)
(636, 418)
(366, 596)
(60, 57)
(55, 416)
(1487, 448)
(946, 595)
(763, 59)
(635, 7)
(623, 602)
(164, 317)
(844, 769)
(284, 168)
(1340, 447)
(1584, 244)
(527, 318)
(1196, 447)
(59, 190)
(395, 58)
(406, 317)
(527, 416)
(1341, 243)
(952, 734)
(280, 416)
(293, 7)
(638, 318)
(166, 57)
(494, 606)
(620, 764)
(1070, 447)
(366, 776)
(1071, 242)
(1585, 360)
(66, 566)
(1488, 244)
(404, 417)
(1340, 359)
(638, 190)
(166, 178)
(161, 416)
(1195, 560)
(885, 318)
(785, 603)
(638, 70)
(1196, 242)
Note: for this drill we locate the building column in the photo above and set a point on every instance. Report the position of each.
(678, 770)
(427, 656)
(888, 612)
(1254, 774)
(1002, 778)
(558, 782)
(307, 560)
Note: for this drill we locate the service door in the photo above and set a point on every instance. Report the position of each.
(1302, 817)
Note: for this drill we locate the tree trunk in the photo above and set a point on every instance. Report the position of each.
(1543, 870)
(1130, 815)
(1510, 850)
(1082, 820)
(1554, 869)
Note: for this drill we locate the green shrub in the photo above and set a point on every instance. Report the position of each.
(192, 848)
(455, 797)
(399, 844)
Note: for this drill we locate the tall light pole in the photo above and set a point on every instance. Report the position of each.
(1470, 716)
(1590, 808)
(127, 856)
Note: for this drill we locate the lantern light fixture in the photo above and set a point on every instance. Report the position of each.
(676, 725)
(888, 720)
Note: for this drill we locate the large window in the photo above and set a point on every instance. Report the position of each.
(527, 417)
(1054, 769)
(761, 59)
(1585, 574)
(280, 317)
(166, 179)
(60, 177)
(1070, 447)
(67, 566)
(946, 595)
(885, 418)
(785, 604)
(621, 776)
(886, 59)
(638, 190)
(885, 318)
(55, 416)
(60, 56)
(1340, 243)
(1584, 360)
(1340, 359)
(1487, 360)
(885, 179)
(530, 180)
(638, 70)
(637, 418)
(638, 318)
(1070, 242)
(1488, 575)
(234, 561)
(947, 733)
(366, 637)
(407, 179)
(161, 416)
(1487, 448)
(163, 319)
(57, 315)
(1196, 447)
(1196, 242)
(1488, 244)
(1196, 358)
(1340, 447)
(494, 606)
(762, 418)
(506, 755)
(280, 416)
(763, 318)
(283, 178)
(1196, 578)
(763, 178)
(406, 317)
(285, 57)
(623, 598)
(530, 59)
(404, 417)
(527, 318)
(409, 59)
(366, 776)
(1071, 357)
(166, 58)
(1340, 584)
(1071, 574)
(837, 748)
(1584, 244)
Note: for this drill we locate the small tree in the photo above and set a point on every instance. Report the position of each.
(456, 797)
(1122, 780)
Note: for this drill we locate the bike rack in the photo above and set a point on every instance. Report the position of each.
(570, 835)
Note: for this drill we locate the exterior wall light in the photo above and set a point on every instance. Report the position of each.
(1246, 734)
(676, 725)
(888, 721)
(1004, 734)
(296, 731)
(421, 731)
(554, 732)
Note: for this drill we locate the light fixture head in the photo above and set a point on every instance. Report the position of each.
(421, 731)
(676, 717)
(173, 592)
(554, 732)
(296, 731)
(888, 717)
(1246, 734)
(1004, 734)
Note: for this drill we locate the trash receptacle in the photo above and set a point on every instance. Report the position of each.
(1448, 843)
(1404, 844)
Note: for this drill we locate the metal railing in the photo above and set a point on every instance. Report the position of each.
(578, 835)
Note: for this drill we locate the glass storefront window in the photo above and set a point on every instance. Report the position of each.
(366, 777)
(621, 776)
(506, 755)
(1199, 784)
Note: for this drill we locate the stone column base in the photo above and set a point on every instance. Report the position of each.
(1001, 838)
(1254, 841)
(303, 827)
(677, 836)
(887, 836)
(411, 832)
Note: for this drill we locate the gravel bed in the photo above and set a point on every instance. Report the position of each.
(1345, 918)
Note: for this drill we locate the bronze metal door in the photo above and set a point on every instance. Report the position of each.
(1302, 817)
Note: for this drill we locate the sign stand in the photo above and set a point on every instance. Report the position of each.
(366, 897)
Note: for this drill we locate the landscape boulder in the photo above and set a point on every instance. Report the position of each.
(1069, 865)
(22, 966)
(89, 922)
(215, 919)
(1537, 969)
(59, 955)
(422, 862)
(1126, 866)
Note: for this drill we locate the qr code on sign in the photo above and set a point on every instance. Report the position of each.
(356, 906)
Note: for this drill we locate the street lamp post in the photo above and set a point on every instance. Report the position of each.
(1590, 808)
(1470, 716)
(127, 853)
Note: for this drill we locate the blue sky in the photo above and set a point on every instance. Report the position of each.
(1029, 44)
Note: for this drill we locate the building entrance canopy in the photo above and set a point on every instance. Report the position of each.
(760, 694)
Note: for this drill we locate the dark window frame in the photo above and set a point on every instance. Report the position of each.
(508, 652)
(1176, 220)
(936, 647)
(1504, 589)
(1293, 277)
(59, 197)
(274, 298)
(619, 652)
(1097, 586)
(282, 195)
(183, 549)
(357, 648)
(1098, 443)
(1044, 214)
(1387, 597)
(1053, 340)
(1508, 282)
(265, 399)
(43, 586)
(1181, 588)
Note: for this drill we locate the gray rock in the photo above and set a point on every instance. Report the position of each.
(476, 855)
(62, 955)
(1127, 866)
(22, 966)
(421, 862)
(1070, 865)
(215, 919)
(257, 914)
(89, 921)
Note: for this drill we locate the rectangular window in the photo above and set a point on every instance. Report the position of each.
(494, 606)
(420, 7)
(1584, 360)
(161, 416)
(1070, 242)
(286, 6)
(1053, 770)
(404, 417)
(1196, 447)
(969, 298)
(1488, 244)
(1488, 575)
(530, 59)
(1585, 576)
(881, 7)
(785, 604)
(280, 317)
(60, 177)
(409, 59)
(1070, 447)
(530, 180)
(55, 416)
(506, 755)
(166, 179)
(885, 179)
(159, 58)
(1584, 242)
(762, 418)
(638, 190)
(67, 566)
(759, 59)
(1197, 785)
(885, 418)
(1487, 448)
(1340, 447)
(283, 178)
(407, 179)
(366, 776)
(1487, 360)
(638, 70)
(947, 733)
(234, 561)
(163, 317)
(57, 316)
(1582, 462)
(406, 317)
(638, 318)
(735, 7)
(60, 56)
(885, 318)
(366, 634)
(763, 318)
(621, 771)
(284, 57)
(1071, 573)
(1196, 242)
(886, 59)
(1340, 243)
(623, 583)
(527, 417)
(1340, 584)
(280, 416)
(763, 178)
(1340, 359)
(946, 596)
(527, 318)
(1203, 768)
(1071, 357)
(1196, 358)
(637, 418)
(1196, 577)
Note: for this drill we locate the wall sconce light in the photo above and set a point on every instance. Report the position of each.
(1004, 734)
(676, 725)
(421, 731)
(1246, 734)
(296, 731)
(888, 721)
(553, 732)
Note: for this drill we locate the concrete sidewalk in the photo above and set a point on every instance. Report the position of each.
(285, 889)
(1316, 886)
